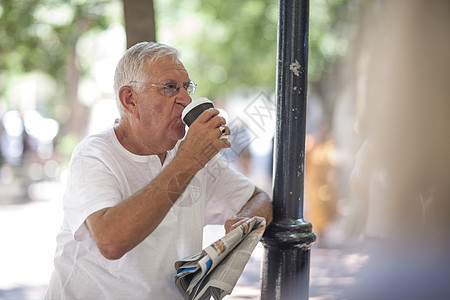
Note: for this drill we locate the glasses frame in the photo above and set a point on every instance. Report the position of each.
(169, 91)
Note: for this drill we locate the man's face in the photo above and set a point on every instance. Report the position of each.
(159, 123)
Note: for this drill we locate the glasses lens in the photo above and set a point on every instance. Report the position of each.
(190, 87)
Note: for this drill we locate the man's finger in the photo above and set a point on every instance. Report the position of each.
(207, 115)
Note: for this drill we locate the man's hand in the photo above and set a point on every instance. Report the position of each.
(203, 140)
(234, 222)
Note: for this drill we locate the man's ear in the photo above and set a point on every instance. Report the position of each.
(128, 99)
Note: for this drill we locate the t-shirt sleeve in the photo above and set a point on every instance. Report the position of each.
(227, 191)
(91, 187)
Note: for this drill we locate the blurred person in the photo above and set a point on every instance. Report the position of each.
(139, 193)
(403, 166)
(320, 186)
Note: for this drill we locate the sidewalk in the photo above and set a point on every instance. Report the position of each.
(333, 271)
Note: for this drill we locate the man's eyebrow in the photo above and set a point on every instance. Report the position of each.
(169, 81)
(175, 81)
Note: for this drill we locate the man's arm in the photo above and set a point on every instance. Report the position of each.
(116, 230)
(259, 205)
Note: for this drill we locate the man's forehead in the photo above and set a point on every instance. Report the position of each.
(166, 66)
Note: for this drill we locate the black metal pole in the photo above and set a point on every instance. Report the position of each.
(288, 239)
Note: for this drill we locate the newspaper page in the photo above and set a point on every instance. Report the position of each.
(215, 270)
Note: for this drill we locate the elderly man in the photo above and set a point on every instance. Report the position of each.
(139, 193)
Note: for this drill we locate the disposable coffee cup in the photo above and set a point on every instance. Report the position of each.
(195, 109)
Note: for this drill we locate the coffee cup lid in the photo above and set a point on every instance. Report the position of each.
(193, 104)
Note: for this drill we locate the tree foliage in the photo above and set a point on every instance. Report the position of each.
(231, 45)
(38, 35)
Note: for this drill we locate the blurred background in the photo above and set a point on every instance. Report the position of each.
(377, 163)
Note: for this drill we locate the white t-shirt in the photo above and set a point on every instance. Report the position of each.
(102, 174)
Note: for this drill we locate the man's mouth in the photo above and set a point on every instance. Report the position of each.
(178, 120)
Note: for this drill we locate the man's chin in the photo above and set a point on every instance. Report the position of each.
(179, 133)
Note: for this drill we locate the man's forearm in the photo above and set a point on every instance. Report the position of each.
(259, 205)
(116, 230)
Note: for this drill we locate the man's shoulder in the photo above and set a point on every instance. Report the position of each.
(96, 142)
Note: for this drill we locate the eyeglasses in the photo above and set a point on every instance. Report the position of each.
(172, 88)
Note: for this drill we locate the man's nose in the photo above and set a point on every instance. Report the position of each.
(183, 97)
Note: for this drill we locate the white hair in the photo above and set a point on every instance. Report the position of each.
(130, 66)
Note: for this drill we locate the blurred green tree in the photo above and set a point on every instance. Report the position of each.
(41, 36)
(231, 45)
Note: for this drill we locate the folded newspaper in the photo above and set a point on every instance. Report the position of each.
(215, 271)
